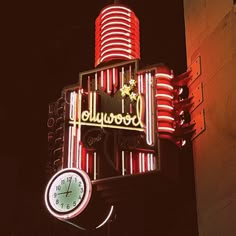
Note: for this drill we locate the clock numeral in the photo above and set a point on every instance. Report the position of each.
(74, 203)
(75, 179)
(62, 181)
(57, 201)
(69, 179)
(81, 190)
(68, 206)
(79, 197)
(80, 183)
(62, 204)
(55, 195)
(58, 187)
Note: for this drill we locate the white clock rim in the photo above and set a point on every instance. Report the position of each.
(83, 203)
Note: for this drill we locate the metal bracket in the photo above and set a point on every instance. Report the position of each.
(198, 119)
(197, 95)
(195, 68)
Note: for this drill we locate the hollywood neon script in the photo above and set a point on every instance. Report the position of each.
(111, 120)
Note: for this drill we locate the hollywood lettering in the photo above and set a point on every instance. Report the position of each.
(110, 120)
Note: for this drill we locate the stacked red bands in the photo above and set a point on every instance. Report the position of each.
(116, 35)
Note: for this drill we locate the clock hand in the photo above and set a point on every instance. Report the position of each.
(65, 192)
(68, 187)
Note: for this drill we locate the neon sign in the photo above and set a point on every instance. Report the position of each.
(109, 120)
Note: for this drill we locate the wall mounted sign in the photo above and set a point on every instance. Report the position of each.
(111, 101)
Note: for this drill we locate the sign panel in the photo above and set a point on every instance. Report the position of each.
(110, 126)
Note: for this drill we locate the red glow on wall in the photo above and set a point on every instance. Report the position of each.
(116, 35)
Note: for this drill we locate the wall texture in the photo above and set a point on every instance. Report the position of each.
(211, 34)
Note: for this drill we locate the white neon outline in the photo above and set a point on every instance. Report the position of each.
(78, 136)
(102, 79)
(165, 86)
(96, 81)
(131, 162)
(140, 162)
(116, 18)
(115, 12)
(82, 205)
(115, 55)
(142, 87)
(77, 151)
(79, 111)
(72, 105)
(94, 103)
(148, 162)
(108, 82)
(112, 33)
(123, 162)
(164, 95)
(143, 162)
(139, 84)
(80, 154)
(116, 44)
(116, 28)
(87, 162)
(70, 147)
(116, 49)
(116, 38)
(110, 126)
(149, 120)
(115, 23)
(91, 102)
(94, 165)
(163, 75)
(165, 107)
(107, 218)
(165, 118)
(152, 161)
(114, 75)
(122, 105)
(116, 7)
(166, 129)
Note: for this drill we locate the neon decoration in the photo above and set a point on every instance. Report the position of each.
(117, 121)
(117, 35)
(164, 98)
(149, 110)
(107, 218)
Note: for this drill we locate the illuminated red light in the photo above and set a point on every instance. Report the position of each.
(117, 35)
(164, 96)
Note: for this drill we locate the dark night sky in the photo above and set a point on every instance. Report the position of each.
(47, 46)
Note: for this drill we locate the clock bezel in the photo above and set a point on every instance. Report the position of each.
(81, 205)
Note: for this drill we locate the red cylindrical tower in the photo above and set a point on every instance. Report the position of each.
(116, 34)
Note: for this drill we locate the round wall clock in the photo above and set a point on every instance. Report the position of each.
(68, 193)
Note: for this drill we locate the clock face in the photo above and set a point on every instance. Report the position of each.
(68, 193)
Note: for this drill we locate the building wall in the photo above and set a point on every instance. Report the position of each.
(211, 33)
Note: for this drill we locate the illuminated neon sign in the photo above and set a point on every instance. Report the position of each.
(109, 120)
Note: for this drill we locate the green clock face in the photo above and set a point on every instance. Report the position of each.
(68, 193)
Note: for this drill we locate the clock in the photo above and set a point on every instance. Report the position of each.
(68, 193)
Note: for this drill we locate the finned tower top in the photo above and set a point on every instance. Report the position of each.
(116, 34)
